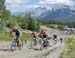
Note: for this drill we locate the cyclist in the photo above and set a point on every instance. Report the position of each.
(43, 34)
(17, 35)
(55, 38)
(34, 37)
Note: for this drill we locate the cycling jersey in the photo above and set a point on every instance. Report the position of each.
(34, 34)
(17, 33)
(55, 36)
(44, 34)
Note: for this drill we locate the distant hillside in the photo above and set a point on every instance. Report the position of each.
(57, 12)
(63, 14)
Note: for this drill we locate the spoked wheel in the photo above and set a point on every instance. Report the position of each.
(21, 45)
(34, 42)
(44, 45)
(41, 48)
(13, 46)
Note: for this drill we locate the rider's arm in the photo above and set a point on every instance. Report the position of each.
(11, 32)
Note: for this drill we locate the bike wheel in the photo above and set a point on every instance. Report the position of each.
(13, 46)
(41, 48)
(21, 45)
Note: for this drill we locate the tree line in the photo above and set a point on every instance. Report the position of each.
(8, 20)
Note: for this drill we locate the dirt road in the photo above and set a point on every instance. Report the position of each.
(26, 52)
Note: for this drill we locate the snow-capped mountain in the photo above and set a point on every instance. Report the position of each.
(57, 11)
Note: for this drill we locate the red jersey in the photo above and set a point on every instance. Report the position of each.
(44, 33)
(34, 33)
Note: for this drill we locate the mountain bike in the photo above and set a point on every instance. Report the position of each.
(45, 43)
(14, 44)
(34, 42)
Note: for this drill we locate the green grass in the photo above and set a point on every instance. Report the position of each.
(69, 52)
(55, 26)
(52, 26)
(4, 36)
(26, 36)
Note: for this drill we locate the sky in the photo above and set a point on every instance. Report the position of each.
(22, 5)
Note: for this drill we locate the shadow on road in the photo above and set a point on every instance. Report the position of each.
(36, 49)
(5, 50)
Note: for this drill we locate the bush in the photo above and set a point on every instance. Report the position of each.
(23, 26)
(33, 24)
(51, 26)
(10, 25)
(60, 27)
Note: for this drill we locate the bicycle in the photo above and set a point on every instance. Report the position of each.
(45, 43)
(14, 45)
(34, 42)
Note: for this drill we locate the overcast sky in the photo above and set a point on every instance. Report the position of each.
(22, 5)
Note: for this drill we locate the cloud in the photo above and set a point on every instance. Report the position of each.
(49, 4)
(68, 2)
(25, 4)
(14, 5)
(14, 1)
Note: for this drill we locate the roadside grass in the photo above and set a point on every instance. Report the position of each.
(26, 36)
(55, 26)
(69, 51)
(4, 36)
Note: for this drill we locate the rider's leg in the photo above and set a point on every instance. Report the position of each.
(17, 41)
(34, 41)
(55, 41)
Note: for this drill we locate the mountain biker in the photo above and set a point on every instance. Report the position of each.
(34, 36)
(17, 35)
(55, 38)
(43, 34)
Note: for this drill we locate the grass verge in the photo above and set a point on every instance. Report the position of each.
(4, 36)
(69, 51)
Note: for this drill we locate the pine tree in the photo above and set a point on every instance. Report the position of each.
(2, 10)
(2, 7)
(38, 26)
(32, 24)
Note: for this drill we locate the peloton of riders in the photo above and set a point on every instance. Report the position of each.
(44, 37)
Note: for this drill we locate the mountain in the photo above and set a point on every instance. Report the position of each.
(63, 14)
(57, 12)
(38, 11)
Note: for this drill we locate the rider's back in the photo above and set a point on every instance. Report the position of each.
(34, 34)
